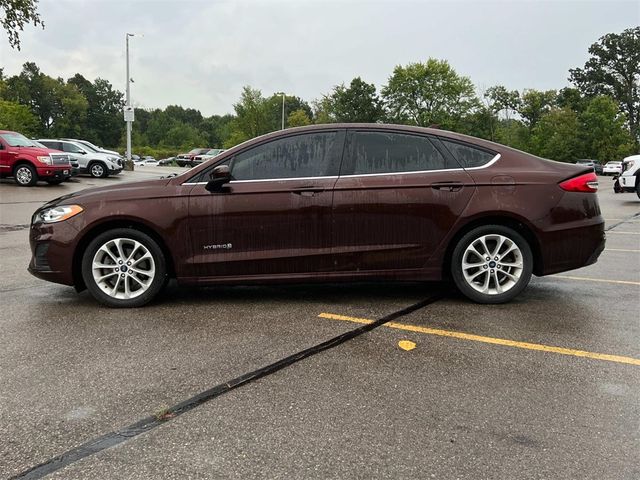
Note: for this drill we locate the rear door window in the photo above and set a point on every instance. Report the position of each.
(468, 156)
(386, 152)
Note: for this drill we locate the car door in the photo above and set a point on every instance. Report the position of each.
(397, 197)
(274, 216)
(5, 164)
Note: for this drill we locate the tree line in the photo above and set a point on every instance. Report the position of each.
(597, 116)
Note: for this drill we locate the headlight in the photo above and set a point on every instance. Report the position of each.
(57, 214)
(44, 159)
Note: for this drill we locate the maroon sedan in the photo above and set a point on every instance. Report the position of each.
(329, 203)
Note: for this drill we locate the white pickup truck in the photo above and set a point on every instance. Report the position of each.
(629, 180)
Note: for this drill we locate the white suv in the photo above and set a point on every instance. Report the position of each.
(629, 181)
(96, 164)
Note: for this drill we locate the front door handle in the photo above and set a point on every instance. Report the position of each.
(448, 186)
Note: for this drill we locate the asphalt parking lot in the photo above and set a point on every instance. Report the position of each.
(547, 386)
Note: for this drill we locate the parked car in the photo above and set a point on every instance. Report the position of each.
(629, 179)
(597, 166)
(75, 166)
(28, 162)
(214, 152)
(401, 203)
(166, 161)
(186, 159)
(96, 164)
(95, 148)
(612, 168)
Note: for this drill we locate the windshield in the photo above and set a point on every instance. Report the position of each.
(89, 146)
(215, 151)
(17, 140)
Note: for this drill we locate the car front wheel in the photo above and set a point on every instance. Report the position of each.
(25, 175)
(491, 264)
(124, 268)
(98, 170)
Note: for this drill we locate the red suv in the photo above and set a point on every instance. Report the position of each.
(27, 163)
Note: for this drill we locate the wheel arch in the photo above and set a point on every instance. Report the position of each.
(111, 224)
(23, 161)
(515, 223)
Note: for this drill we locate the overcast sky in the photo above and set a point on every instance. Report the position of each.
(201, 53)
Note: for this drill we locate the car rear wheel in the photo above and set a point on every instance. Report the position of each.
(25, 175)
(491, 264)
(98, 170)
(124, 268)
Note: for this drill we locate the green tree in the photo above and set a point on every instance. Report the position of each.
(534, 104)
(273, 110)
(17, 14)
(104, 123)
(251, 117)
(16, 117)
(614, 70)
(298, 118)
(555, 136)
(358, 102)
(429, 93)
(603, 131)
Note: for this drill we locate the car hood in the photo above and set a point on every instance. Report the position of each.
(122, 192)
(39, 151)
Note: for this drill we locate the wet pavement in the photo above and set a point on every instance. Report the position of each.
(511, 391)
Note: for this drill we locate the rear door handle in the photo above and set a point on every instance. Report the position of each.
(448, 186)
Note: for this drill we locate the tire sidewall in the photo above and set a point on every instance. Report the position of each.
(34, 175)
(467, 239)
(159, 281)
(98, 164)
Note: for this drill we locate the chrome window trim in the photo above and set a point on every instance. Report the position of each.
(414, 172)
(488, 164)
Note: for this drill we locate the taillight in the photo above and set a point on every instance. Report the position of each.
(587, 182)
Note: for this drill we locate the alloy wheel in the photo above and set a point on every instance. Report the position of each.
(123, 268)
(97, 170)
(492, 264)
(24, 175)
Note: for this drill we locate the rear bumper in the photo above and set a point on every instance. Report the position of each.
(571, 248)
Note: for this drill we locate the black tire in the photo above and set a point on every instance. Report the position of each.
(638, 188)
(487, 268)
(98, 170)
(156, 282)
(25, 175)
(56, 181)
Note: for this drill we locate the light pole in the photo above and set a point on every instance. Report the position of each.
(283, 97)
(128, 109)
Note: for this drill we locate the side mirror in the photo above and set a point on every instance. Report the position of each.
(82, 152)
(220, 175)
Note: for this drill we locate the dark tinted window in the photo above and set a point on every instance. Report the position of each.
(51, 144)
(467, 155)
(383, 152)
(299, 156)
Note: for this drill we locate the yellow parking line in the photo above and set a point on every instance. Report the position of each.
(620, 250)
(491, 340)
(602, 280)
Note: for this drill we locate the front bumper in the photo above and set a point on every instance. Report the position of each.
(54, 173)
(52, 246)
(627, 181)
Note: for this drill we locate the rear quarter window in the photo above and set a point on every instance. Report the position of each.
(468, 156)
